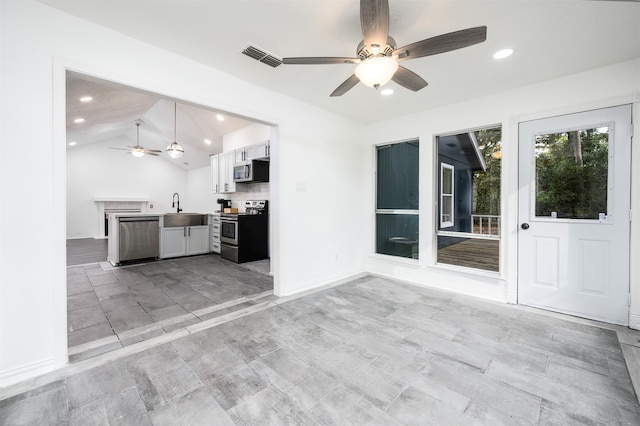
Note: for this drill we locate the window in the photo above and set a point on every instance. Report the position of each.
(446, 195)
(572, 170)
(397, 167)
(468, 229)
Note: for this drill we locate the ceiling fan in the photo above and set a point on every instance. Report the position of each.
(378, 54)
(139, 151)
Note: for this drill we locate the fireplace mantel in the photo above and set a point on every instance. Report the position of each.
(118, 205)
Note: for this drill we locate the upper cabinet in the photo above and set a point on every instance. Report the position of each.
(222, 165)
(222, 173)
(215, 174)
(253, 152)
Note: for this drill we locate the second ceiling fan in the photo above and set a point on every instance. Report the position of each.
(378, 54)
(139, 151)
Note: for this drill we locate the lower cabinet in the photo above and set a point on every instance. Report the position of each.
(184, 241)
(214, 224)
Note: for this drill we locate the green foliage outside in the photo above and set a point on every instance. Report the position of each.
(571, 174)
(486, 184)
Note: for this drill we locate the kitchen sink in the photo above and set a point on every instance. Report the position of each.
(184, 219)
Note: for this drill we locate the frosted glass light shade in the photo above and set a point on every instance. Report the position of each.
(376, 71)
(137, 152)
(175, 150)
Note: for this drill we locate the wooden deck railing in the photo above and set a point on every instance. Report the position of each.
(485, 224)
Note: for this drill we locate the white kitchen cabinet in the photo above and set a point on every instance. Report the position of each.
(226, 162)
(215, 174)
(173, 242)
(197, 240)
(222, 173)
(253, 152)
(240, 154)
(260, 150)
(184, 241)
(214, 233)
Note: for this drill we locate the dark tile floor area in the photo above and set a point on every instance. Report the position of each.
(86, 250)
(103, 301)
(372, 351)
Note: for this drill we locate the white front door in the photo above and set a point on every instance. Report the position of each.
(574, 211)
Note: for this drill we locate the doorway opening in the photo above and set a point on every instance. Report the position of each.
(109, 307)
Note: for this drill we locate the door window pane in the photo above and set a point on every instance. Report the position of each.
(572, 174)
(397, 189)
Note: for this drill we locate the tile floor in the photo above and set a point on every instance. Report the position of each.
(372, 351)
(112, 307)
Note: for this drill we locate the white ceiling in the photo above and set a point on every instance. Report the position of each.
(551, 38)
(111, 113)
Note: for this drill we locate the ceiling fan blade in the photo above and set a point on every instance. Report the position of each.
(374, 19)
(152, 150)
(347, 85)
(320, 60)
(121, 149)
(442, 43)
(409, 79)
(151, 153)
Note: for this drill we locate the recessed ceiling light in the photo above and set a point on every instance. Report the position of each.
(386, 92)
(72, 143)
(501, 54)
(86, 99)
(220, 117)
(207, 141)
(78, 120)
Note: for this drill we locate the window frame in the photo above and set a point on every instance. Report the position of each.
(435, 213)
(377, 211)
(449, 223)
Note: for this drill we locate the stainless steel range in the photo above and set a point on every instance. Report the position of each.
(245, 236)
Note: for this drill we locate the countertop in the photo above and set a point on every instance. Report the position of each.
(116, 215)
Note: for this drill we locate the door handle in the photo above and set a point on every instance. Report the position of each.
(524, 226)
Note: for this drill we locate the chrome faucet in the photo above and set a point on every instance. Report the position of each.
(178, 209)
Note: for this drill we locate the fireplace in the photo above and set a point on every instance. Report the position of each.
(107, 207)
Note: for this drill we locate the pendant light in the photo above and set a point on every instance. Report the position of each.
(175, 150)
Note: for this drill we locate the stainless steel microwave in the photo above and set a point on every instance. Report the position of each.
(251, 171)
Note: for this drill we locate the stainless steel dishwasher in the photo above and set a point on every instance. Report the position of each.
(139, 238)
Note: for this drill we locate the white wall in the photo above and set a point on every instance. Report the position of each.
(311, 246)
(252, 134)
(95, 171)
(613, 85)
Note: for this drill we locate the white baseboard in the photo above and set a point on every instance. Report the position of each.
(26, 372)
(634, 321)
(329, 282)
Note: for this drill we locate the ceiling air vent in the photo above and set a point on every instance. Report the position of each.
(262, 56)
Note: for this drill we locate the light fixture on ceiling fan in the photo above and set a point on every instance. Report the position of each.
(378, 56)
(138, 150)
(174, 149)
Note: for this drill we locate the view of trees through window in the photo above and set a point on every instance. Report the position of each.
(472, 238)
(486, 183)
(571, 174)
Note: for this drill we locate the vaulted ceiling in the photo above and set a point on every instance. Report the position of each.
(111, 113)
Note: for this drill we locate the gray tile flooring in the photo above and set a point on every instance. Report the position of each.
(372, 351)
(111, 307)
